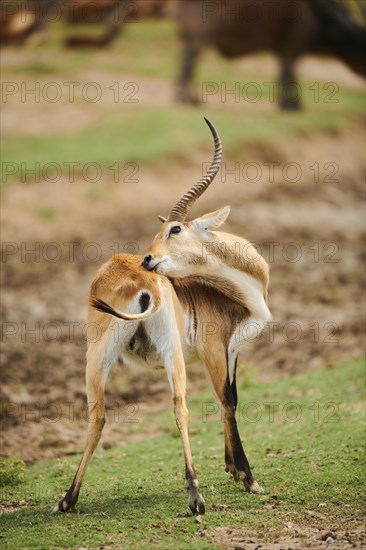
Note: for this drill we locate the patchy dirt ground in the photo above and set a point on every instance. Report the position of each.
(305, 211)
(310, 230)
(311, 234)
(297, 538)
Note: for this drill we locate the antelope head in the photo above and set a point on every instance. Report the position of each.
(179, 246)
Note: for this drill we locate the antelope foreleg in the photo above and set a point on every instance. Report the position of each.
(235, 458)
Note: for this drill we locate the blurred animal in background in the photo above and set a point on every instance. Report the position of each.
(21, 19)
(18, 21)
(115, 13)
(288, 29)
(198, 293)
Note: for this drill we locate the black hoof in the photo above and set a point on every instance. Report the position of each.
(67, 504)
(290, 106)
(197, 505)
(187, 98)
(63, 506)
(254, 488)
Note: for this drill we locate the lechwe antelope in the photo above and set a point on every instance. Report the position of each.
(198, 293)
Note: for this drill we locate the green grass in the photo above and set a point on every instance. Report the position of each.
(148, 134)
(153, 135)
(46, 212)
(12, 471)
(133, 496)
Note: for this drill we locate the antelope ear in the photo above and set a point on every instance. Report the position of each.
(213, 220)
(162, 219)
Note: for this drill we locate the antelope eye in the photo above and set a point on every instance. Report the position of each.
(176, 229)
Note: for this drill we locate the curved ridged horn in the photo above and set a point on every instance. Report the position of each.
(180, 210)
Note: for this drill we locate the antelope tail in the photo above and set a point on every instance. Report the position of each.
(145, 300)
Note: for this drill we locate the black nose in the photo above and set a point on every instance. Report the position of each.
(146, 260)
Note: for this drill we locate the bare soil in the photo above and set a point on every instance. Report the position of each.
(297, 538)
(310, 231)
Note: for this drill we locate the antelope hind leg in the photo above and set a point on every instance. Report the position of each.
(96, 420)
